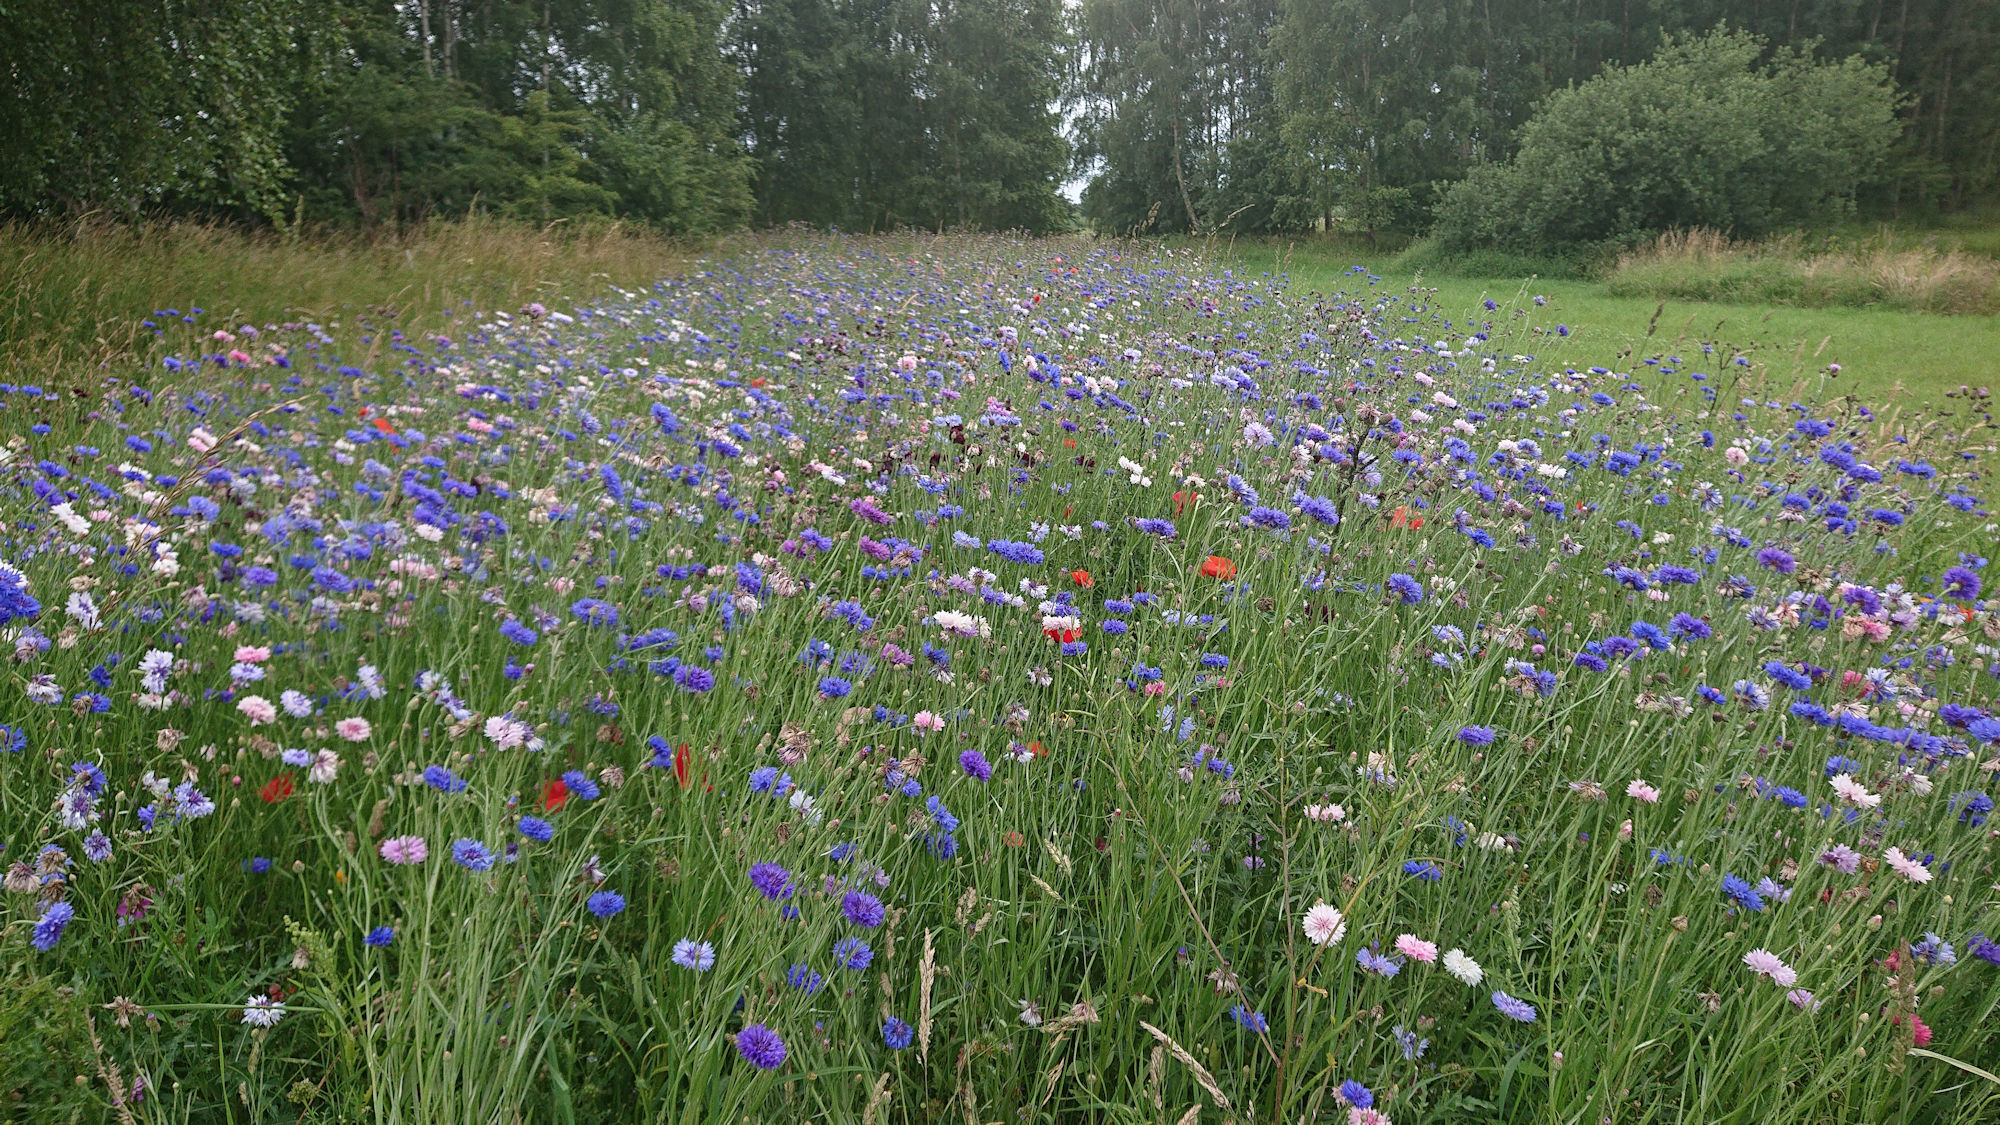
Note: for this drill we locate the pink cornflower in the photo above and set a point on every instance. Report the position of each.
(1325, 814)
(1358, 1116)
(353, 730)
(1324, 925)
(405, 850)
(1853, 792)
(926, 720)
(1639, 790)
(252, 654)
(1802, 999)
(1906, 867)
(257, 709)
(1416, 948)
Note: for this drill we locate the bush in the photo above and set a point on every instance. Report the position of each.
(1701, 135)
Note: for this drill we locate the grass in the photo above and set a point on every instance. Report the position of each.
(73, 297)
(760, 564)
(1886, 355)
(1875, 273)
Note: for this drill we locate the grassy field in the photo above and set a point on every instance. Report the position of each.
(1885, 355)
(906, 680)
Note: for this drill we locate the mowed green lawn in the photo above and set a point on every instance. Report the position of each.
(1888, 358)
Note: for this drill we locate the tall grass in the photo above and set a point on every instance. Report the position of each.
(76, 295)
(1706, 265)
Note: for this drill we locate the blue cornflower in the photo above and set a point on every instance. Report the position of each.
(605, 903)
(864, 910)
(1249, 1020)
(804, 979)
(580, 786)
(1742, 893)
(1371, 960)
(443, 780)
(471, 855)
(1428, 872)
(379, 937)
(1356, 1095)
(761, 1047)
(49, 930)
(518, 633)
(1407, 589)
(896, 1034)
(1476, 736)
(1514, 1009)
(852, 953)
(771, 881)
(975, 765)
(537, 829)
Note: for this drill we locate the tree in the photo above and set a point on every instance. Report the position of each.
(1702, 135)
(1175, 114)
(874, 114)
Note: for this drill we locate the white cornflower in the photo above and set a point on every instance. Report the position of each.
(1464, 968)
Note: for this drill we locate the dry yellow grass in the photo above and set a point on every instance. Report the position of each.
(73, 296)
(1706, 265)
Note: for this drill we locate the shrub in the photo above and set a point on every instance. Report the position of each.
(1701, 135)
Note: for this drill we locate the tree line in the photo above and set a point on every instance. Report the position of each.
(1183, 115)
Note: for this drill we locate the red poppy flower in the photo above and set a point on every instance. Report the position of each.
(1081, 578)
(276, 789)
(1064, 636)
(554, 795)
(1215, 566)
(1183, 499)
(683, 758)
(1402, 517)
(383, 425)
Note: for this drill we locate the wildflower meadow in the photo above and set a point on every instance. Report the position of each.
(982, 679)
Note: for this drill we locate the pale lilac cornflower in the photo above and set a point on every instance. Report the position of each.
(1841, 858)
(1771, 967)
(262, 1011)
(696, 955)
(1514, 1009)
(257, 709)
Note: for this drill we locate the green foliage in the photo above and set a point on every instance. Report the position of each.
(1702, 135)
(131, 106)
(47, 1047)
